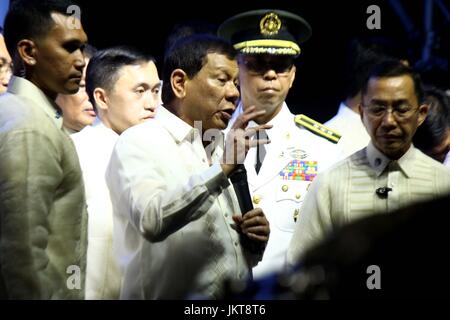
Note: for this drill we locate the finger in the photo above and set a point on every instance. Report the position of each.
(237, 219)
(257, 238)
(253, 222)
(257, 230)
(243, 120)
(253, 130)
(253, 213)
(254, 143)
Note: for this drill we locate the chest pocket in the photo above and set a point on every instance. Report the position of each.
(289, 198)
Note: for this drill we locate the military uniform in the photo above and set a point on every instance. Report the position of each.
(293, 159)
(300, 147)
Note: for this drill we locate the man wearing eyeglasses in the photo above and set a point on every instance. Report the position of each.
(279, 174)
(390, 173)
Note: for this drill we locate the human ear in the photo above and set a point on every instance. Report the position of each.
(423, 111)
(101, 99)
(27, 51)
(178, 80)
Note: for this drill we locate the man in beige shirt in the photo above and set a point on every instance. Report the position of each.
(388, 174)
(42, 205)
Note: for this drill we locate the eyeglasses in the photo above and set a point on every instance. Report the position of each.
(260, 66)
(402, 111)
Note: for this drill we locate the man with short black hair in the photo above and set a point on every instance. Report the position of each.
(390, 173)
(42, 205)
(124, 86)
(179, 231)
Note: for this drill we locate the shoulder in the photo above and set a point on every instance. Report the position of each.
(14, 112)
(150, 135)
(316, 128)
(141, 131)
(89, 138)
(427, 161)
(17, 113)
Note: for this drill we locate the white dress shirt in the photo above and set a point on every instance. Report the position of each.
(293, 158)
(94, 146)
(347, 191)
(174, 232)
(447, 160)
(349, 125)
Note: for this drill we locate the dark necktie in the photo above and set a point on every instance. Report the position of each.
(260, 150)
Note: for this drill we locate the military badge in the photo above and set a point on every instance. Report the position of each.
(270, 24)
(299, 170)
(298, 154)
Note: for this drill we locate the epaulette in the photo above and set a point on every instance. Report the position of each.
(317, 128)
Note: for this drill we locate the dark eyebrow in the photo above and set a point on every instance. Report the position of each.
(378, 101)
(158, 85)
(74, 43)
(141, 84)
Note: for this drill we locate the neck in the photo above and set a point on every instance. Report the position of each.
(353, 102)
(106, 122)
(265, 118)
(177, 111)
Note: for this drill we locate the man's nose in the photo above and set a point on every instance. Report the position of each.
(389, 118)
(151, 101)
(232, 93)
(270, 74)
(80, 63)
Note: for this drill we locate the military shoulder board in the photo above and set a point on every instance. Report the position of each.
(317, 128)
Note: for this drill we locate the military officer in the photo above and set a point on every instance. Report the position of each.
(280, 173)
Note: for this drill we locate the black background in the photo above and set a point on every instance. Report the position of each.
(320, 78)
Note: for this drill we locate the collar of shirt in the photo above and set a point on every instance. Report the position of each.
(23, 87)
(378, 161)
(181, 131)
(283, 119)
(346, 112)
(99, 125)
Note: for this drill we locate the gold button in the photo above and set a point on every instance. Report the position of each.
(256, 199)
(284, 188)
(296, 213)
(298, 195)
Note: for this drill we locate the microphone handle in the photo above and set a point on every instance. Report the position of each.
(240, 184)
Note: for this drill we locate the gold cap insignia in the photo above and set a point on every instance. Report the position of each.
(270, 24)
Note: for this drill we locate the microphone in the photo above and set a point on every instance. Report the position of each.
(240, 184)
(383, 192)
